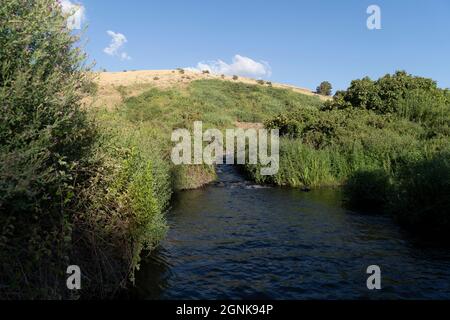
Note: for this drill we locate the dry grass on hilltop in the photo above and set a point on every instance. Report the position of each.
(112, 86)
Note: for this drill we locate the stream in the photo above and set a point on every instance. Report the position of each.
(236, 240)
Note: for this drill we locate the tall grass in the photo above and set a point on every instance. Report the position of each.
(301, 167)
(421, 195)
(417, 195)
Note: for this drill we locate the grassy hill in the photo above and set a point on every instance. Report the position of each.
(149, 113)
(137, 82)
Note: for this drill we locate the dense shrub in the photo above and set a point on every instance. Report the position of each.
(342, 128)
(45, 146)
(71, 192)
(414, 98)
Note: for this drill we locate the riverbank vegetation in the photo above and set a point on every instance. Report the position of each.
(386, 141)
(71, 192)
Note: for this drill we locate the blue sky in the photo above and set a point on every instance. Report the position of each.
(303, 42)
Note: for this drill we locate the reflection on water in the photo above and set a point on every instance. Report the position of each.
(235, 240)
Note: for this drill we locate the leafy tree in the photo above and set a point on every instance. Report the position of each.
(325, 88)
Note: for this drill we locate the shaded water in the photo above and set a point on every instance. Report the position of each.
(235, 240)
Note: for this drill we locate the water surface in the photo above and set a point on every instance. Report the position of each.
(236, 240)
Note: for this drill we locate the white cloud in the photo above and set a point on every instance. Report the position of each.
(125, 56)
(76, 13)
(118, 40)
(240, 66)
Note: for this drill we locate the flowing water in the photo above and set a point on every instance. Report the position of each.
(236, 240)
